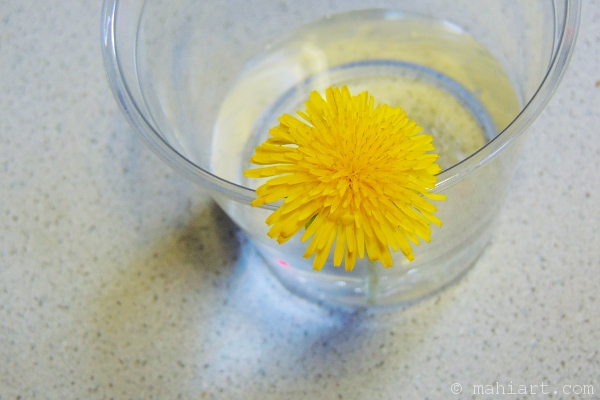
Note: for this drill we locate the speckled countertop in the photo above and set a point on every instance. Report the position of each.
(120, 279)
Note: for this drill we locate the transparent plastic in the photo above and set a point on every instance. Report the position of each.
(174, 66)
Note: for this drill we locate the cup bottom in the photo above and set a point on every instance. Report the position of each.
(381, 289)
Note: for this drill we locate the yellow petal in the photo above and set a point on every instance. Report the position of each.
(359, 171)
(340, 246)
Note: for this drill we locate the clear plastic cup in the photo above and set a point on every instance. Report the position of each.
(200, 81)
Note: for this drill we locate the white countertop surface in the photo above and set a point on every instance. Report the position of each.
(121, 279)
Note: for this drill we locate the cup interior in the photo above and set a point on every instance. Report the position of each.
(173, 64)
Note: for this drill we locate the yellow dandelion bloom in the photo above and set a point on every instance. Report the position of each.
(351, 173)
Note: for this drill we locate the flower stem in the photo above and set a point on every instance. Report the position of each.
(372, 282)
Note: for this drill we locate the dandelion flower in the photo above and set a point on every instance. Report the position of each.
(354, 175)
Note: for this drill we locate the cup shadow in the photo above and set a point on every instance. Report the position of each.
(199, 314)
(193, 312)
